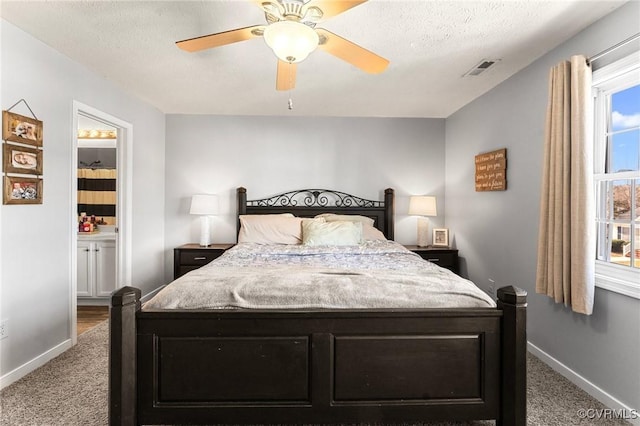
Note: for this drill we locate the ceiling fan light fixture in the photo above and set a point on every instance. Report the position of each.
(291, 41)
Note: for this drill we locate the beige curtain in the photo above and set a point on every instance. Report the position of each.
(567, 237)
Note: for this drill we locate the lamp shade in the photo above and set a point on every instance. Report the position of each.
(204, 204)
(291, 41)
(422, 205)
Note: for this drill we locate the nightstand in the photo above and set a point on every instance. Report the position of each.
(188, 257)
(441, 256)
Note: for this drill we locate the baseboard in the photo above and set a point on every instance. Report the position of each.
(106, 301)
(35, 363)
(592, 389)
(149, 295)
(42, 359)
(94, 302)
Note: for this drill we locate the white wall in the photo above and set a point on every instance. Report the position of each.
(36, 239)
(496, 232)
(268, 155)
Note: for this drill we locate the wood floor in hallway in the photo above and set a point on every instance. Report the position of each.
(90, 316)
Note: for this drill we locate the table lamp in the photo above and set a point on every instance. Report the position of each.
(423, 205)
(204, 205)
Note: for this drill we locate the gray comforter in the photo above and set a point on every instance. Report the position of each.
(375, 274)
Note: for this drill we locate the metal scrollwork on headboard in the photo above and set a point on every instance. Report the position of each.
(311, 202)
(314, 198)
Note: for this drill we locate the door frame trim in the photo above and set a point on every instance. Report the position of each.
(124, 210)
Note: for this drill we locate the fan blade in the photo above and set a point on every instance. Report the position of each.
(286, 77)
(350, 52)
(220, 39)
(331, 8)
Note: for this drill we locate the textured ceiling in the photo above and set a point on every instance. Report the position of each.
(431, 45)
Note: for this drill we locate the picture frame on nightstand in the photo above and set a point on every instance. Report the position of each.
(440, 237)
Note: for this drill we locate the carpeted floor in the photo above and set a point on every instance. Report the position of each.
(69, 390)
(72, 390)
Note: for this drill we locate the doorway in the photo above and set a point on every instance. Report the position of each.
(101, 208)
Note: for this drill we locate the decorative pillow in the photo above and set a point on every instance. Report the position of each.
(313, 219)
(371, 233)
(342, 233)
(270, 229)
(333, 217)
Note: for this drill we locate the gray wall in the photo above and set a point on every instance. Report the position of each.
(268, 155)
(106, 157)
(496, 232)
(36, 239)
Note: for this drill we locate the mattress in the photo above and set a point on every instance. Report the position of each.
(372, 275)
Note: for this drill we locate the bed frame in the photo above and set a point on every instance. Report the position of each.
(317, 366)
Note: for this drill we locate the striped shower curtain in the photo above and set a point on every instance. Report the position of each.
(97, 194)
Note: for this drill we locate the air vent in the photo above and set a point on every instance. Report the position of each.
(484, 65)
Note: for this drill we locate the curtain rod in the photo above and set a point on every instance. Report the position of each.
(614, 47)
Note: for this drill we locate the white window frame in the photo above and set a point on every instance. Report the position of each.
(626, 71)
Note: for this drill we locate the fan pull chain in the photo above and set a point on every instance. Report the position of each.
(290, 103)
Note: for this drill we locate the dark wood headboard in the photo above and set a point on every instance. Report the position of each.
(312, 202)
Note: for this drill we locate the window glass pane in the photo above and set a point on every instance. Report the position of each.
(622, 200)
(604, 242)
(636, 253)
(625, 108)
(608, 200)
(637, 207)
(625, 152)
(621, 244)
(603, 208)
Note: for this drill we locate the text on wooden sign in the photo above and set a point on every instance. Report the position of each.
(491, 171)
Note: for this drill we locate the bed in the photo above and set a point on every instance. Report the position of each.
(321, 364)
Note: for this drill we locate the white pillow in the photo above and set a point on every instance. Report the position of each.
(371, 233)
(333, 217)
(315, 233)
(270, 229)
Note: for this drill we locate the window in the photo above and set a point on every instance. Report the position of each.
(616, 91)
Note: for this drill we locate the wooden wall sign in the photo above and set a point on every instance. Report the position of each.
(491, 171)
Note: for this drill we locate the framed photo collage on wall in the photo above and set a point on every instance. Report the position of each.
(22, 154)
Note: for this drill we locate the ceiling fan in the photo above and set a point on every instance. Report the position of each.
(292, 34)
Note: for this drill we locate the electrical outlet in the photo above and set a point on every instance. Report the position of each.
(4, 330)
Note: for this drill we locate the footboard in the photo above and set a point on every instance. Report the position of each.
(242, 367)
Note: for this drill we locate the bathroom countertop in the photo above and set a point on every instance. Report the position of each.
(96, 236)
